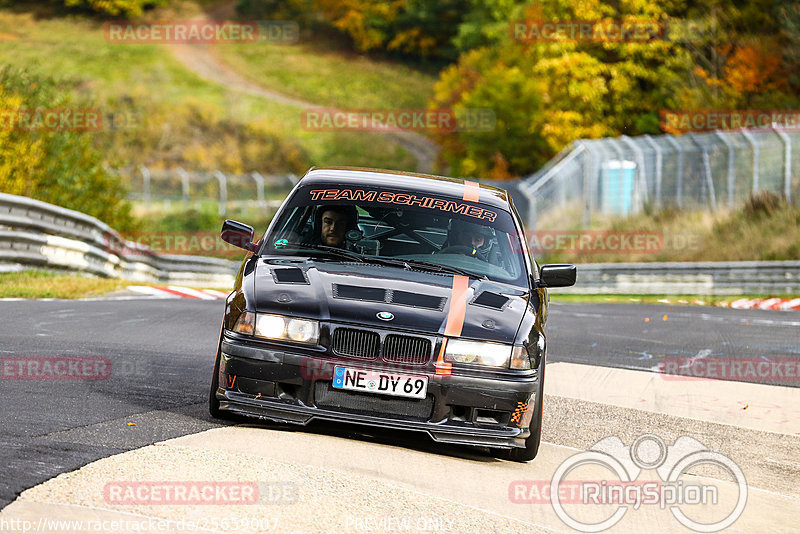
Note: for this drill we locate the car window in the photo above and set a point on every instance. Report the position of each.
(424, 228)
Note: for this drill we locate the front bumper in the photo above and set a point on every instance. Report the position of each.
(292, 385)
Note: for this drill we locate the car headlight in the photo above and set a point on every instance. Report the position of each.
(278, 327)
(477, 352)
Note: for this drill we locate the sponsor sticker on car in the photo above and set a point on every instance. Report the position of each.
(398, 385)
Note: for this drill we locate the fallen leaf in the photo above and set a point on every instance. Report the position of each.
(746, 406)
(647, 319)
(665, 317)
(131, 424)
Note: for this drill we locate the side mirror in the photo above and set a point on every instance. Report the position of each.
(557, 275)
(238, 234)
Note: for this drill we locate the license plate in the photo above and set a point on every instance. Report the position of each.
(398, 385)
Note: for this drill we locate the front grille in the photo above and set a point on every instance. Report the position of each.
(356, 343)
(325, 396)
(406, 349)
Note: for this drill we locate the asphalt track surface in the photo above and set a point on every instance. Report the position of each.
(162, 353)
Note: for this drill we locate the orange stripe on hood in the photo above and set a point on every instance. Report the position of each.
(472, 191)
(455, 319)
(458, 306)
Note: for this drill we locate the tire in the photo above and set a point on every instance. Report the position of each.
(213, 401)
(531, 449)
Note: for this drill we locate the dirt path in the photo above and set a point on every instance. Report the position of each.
(202, 60)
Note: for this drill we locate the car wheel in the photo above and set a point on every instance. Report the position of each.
(531, 448)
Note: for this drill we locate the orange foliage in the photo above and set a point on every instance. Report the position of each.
(753, 69)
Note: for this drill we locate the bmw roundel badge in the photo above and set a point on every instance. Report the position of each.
(385, 316)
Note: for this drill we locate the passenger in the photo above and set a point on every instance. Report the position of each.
(477, 237)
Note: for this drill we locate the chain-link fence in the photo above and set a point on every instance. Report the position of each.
(625, 175)
(227, 190)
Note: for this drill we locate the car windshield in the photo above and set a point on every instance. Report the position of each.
(420, 231)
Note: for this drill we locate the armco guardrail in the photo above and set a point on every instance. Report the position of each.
(705, 278)
(37, 233)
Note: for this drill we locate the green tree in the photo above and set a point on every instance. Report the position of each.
(60, 167)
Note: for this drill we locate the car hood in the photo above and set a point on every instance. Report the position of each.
(355, 293)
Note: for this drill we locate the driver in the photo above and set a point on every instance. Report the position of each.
(333, 223)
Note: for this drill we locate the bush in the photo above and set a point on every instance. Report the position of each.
(763, 203)
(115, 8)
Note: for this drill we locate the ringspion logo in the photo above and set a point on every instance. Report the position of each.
(593, 490)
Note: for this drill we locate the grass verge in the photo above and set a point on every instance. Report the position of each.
(33, 284)
(338, 78)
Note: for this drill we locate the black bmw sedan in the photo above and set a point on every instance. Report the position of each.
(390, 299)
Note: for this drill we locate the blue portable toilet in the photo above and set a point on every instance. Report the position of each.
(617, 178)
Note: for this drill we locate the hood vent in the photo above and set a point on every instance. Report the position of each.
(289, 275)
(491, 300)
(372, 294)
(404, 298)
(388, 296)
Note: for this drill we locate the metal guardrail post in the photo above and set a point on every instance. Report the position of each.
(184, 184)
(731, 167)
(223, 192)
(787, 163)
(706, 170)
(259, 186)
(589, 177)
(679, 149)
(659, 166)
(641, 173)
(756, 157)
